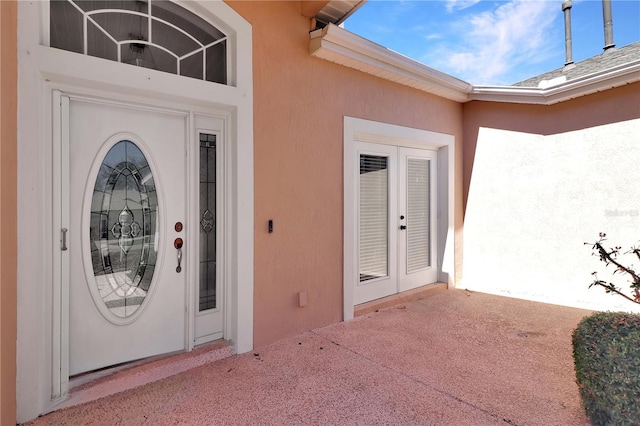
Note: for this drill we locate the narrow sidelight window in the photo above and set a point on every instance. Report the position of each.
(207, 291)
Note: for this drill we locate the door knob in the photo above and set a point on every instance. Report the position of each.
(177, 243)
(403, 227)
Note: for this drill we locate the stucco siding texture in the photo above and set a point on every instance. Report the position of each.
(299, 107)
(453, 358)
(540, 182)
(610, 106)
(8, 210)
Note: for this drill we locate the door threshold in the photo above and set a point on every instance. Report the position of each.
(99, 384)
(396, 299)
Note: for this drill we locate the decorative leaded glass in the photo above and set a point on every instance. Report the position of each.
(156, 34)
(207, 294)
(123, 232)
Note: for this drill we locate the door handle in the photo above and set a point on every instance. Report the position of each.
(63, 239)
(402, 227)
(177, 243)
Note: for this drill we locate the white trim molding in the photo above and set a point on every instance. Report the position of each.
(340, 46)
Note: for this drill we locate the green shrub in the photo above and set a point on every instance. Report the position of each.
(606, 353)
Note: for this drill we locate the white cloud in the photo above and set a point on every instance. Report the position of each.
(453, 5)
(434, 37)
(483, 48)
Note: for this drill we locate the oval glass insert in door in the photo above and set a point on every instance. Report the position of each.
(123, 234)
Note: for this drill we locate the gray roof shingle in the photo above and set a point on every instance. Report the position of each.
(608, 59)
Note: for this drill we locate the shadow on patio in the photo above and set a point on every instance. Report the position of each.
(453, 358)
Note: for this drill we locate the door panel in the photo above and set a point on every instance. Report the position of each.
(396, 192)
(127, 185)
(417, 242)
(377, 276)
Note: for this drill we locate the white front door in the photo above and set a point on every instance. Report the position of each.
(126, 234)
(396, 193)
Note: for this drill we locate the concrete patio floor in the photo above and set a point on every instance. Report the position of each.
(453, 358)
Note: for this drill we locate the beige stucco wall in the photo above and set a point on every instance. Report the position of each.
(542, 181)
(606, 107)
(299, 105)
(8, 217)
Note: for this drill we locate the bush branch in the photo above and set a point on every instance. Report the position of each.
(609, 257)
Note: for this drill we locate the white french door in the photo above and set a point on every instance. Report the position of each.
(125, 236)
(377, 222)
(396, 219)
(417, 253)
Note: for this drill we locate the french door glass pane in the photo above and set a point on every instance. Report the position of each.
(418, 218)
(374, 217)
(207, 292)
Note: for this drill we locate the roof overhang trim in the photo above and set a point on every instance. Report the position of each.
(345, 48)
(338, 45)
(582, 86)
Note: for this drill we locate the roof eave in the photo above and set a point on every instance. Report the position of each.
(338, 45)
(582, 86)
(350, 12)
(337, 11)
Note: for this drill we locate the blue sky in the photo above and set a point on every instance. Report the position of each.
(492, 42)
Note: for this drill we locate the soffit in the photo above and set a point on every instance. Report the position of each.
(336, 11)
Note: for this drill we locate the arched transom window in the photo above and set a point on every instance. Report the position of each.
(156, 34)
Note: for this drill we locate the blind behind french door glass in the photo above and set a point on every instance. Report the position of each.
(374, 217)
(418, 214)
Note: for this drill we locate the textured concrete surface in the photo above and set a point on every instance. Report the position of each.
(93, 386)
(454, 358)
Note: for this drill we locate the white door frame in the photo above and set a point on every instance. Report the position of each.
(42, 71)
(360, 130)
